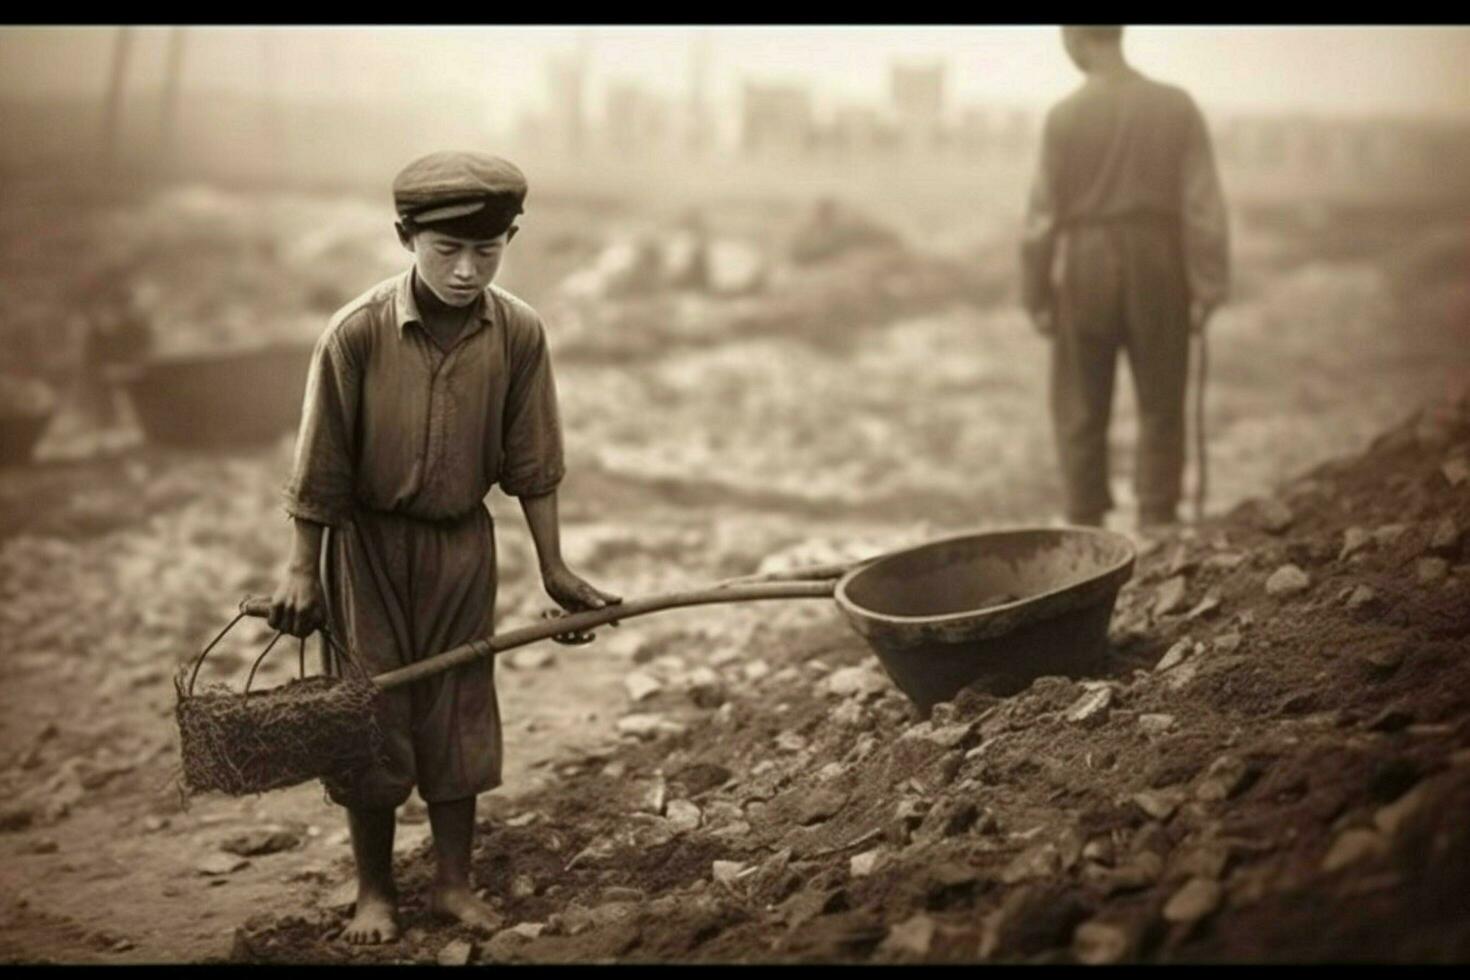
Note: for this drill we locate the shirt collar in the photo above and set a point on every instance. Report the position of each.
(408, 307)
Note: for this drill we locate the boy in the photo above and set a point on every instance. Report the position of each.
(423, 393)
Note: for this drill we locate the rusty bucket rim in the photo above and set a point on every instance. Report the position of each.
(851, 608)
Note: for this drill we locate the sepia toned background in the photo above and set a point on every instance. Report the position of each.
(778, 268)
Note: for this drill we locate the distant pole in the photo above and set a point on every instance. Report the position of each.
(168, 127)
(112, 108)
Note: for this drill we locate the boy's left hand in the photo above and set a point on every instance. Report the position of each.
(574, 594)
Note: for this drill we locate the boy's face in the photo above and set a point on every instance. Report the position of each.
(457, 270)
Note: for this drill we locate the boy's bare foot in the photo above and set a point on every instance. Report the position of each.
(462, 905)
(374, 920)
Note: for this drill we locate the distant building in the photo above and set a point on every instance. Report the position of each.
(567, 85)
(635, 120)
(917, 95)
(776, 118)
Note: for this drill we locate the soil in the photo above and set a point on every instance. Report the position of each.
(1288, 791)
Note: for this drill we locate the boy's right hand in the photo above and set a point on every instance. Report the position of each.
(298, 606)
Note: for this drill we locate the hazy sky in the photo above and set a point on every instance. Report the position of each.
(500, 71)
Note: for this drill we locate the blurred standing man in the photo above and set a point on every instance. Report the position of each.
(1127, 187)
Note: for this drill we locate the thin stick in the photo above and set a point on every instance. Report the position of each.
(470, 652)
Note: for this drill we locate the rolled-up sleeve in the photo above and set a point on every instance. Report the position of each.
(1039, 235)
(1206, 228)
(533, 463)
(322, 478)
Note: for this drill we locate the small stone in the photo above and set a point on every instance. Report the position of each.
(1273, 516)
(725, 872)
(1225, 561)
(1204, 607)
(1091, 709)
(620, 893)
(528, 930)
(153, 823)
(1100, 850)
(121, 946)
(1228, 642)
(1431, 570)
(1352, 846)
(1205, 861)
(1141, 871)
(1041, 861)
(790, 742)
(1361, 596)
(1100, 943)
(947, 736)
(523, 819)
(524, 886)
(1389, 534)
(683, 816)
(912, 937)
(1225, 777)
(1444, 540)
(865, 863)
(1155, 724)
(1159, 803)
(1197, 899)
(852, 714)
(822, 804)
(731, 831)
(705, 688)
(456, 953)
(1388, 819)
(1456, 470)
(755, 670)
(1354, 540)
(646, 726)
(860, 682)
(1287, 580)
(832, 771)
(1170, 596)
(531, 658)
(1175, 654)
(655, 797)
(641, 686)
(221, 864)
(944, 714)
(266, 840)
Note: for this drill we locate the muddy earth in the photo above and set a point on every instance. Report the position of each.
(1274, 764)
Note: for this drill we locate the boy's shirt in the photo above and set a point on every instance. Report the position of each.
(392, 423)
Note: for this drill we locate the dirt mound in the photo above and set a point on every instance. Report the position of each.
(1273, 768)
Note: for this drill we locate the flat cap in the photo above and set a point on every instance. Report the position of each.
(452, 184)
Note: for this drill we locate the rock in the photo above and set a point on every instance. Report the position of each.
(1287, 580)
(457, 952)
(595, 853)
(731, 831)
(531, 658)
(1204, 607)
(620, 893)
(1389, 534)
(1444, 540)
(755, 670)
(1225, 561)
(524, 886)
(1100, 943)
(683, 816)
(852, 714)
(1354, 540)
(912, 937)
(947, 736)
(1175, 654)
(1091, 709)
(1273, 516)
(1031, 919)
(1228, 642)
(1196, 900)
(1456, 470)
(654, 798)
(528, 930)
(1204, 861)
(1225, 777)
(523, 819)
(1352, 846)
(1041, 861)
(1169, 596)
(1180, 562)
(647, 726)
(1100, 850)
(1140, 871)
(820, 805)
(1360, 597)
(221, 864)
(1388, 819)
(865, 863)
(790, 742)
(951, 817)
(1159, 804)
(860, 682)
(725, 872)
(705, 688)
(1431, 570)
(1155, 724)
(266, 840)
(641, 686)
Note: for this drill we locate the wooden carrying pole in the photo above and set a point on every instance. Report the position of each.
(736, 590)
